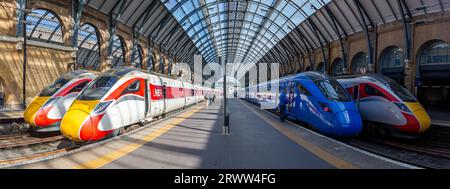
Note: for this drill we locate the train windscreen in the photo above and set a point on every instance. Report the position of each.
(332, 90)
(98, 88)
(400, 91)
(55, 86)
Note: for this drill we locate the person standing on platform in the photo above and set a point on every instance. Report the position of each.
(282, 105)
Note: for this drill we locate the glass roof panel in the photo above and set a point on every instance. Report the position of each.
(238, 29)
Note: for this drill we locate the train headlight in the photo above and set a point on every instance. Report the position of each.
(101, 107)
(51, 101)
(403, 107)
(325, 107)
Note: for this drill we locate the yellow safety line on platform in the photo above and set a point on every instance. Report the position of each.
(322, 154)
(116, 154)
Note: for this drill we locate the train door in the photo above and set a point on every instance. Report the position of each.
(291, 98)
(156, 96)
(133, 105)
(147, 96)
(303, 110)
(164, 94)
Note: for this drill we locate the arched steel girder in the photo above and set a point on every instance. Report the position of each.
(242, 41)
(194, 11)
(225, 21)
(226, 34)
(302, 11)
(38, 23)
(209, 54)
(223, 12)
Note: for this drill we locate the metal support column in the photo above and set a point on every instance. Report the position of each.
(77, 11)
(113, 18)
(25, 61)
(407, 33)
(226, 115)
(369, 29)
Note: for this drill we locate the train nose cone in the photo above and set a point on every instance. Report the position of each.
(72, 123)
(347, 124)
(424, 120)
(421, 115)
(76, 123)
(32, 110)
(30, 113)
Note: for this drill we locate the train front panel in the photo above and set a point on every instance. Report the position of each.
(48, 108)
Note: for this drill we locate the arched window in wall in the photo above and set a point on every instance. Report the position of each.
(138, 57)
(360, 64)
(434, 72)
(435, 53)
(321, 67)
(118, 52)
(308, 68)
(393, 64)
(392, 57)
(338, 67)
(88, 54)
(45, 26)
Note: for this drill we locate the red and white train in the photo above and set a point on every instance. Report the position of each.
(124, 96)
(47, 109)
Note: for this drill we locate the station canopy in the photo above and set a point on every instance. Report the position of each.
(252, 31)
(239, 31)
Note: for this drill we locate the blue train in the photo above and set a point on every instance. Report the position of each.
(314, 99)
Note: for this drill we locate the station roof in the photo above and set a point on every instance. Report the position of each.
(152, 20)
(251, 31)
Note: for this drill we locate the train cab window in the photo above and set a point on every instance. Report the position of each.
(303, 90)
(372, 91)
(134, 87)
(54, 87)
(79, 87)
(332, 90)
(98, 88)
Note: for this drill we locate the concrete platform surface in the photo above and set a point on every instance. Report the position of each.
(11, 114)
(193, 139)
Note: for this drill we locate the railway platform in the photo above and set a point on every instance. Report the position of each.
(193, 139)
(10, 114)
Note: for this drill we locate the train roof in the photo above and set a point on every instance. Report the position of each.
(120, 71)
(73, 74)
(375, 78)
(313, 75)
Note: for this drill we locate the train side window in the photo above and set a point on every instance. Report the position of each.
(192, 92)
(303, 90)
(79, 87)
(134, 87)
(372, 91)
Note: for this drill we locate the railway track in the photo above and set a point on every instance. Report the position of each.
(25, 140)
(431, 150)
